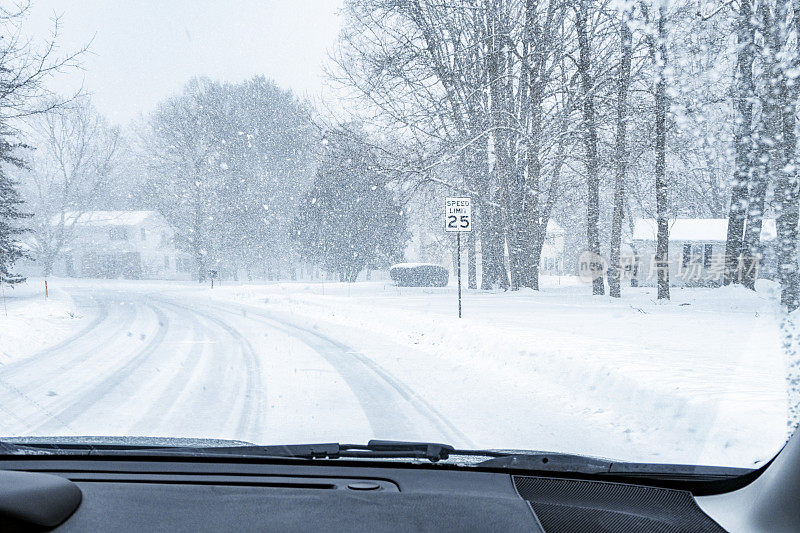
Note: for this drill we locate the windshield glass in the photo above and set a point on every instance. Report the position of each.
(494, 224)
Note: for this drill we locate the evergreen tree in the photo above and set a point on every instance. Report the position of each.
(10, 228)
(350, 221)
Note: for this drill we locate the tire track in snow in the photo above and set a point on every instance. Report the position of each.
(81, 357)
(376, 390)
(251, 418)
(162, 407)
(85, 399)
(32, 376)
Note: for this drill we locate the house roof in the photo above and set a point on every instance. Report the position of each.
(105, 218)
(696, 229)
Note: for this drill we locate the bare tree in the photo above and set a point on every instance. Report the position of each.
(786, 195)
(27, 65)
(25, 68)
(742, 141)
(590, 138)
(662, 243)
(227, 165)
(68, 173)
(620, 154)
(657, 42)
(467, 85)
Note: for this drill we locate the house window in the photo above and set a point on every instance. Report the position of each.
(694, 253)
(708, 251)
(144, 234)
(118, 234)
(687, 255)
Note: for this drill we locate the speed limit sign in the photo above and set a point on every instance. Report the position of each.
(458, 214)
(458, 218)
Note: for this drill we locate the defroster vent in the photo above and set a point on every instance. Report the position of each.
(574, 506)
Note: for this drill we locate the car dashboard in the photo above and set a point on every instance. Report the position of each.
(169, 494)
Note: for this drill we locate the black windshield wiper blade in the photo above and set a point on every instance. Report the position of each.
(374, 449)
(11, 448)
(543, 461)
(297, 451)
(431, 451)
(580, 464)
(388, 449)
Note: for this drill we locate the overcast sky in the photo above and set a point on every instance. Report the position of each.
(145, 50)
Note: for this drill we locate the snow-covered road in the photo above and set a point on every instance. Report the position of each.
(700, 379)
(150, 363)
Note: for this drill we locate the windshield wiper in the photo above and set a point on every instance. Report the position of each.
(581, 464)
(521, 460)
(556, 462)
(374, 449)
(391, 449)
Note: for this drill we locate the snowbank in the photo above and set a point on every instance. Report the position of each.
(30, 323)
(700, 379)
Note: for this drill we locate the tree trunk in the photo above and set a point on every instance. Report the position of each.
(533, 231)
(493, 270)
(787, 196)
(541, 234)
(768, 147)
(742, 142)
(48, 261)
(201, 267)
(509, 179)
(636, 256)
(752, 231)
(620, 157)
(590, 143)
(530, 97)
(662, 243)
(489, 225)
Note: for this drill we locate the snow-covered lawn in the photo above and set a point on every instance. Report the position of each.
(29, 322)
(699, 379)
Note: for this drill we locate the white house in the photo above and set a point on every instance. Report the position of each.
(552, 259)
(696, 250)
(121, 244)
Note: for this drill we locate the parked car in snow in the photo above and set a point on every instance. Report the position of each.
(419, 275)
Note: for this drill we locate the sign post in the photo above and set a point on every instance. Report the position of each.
(458, 219)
